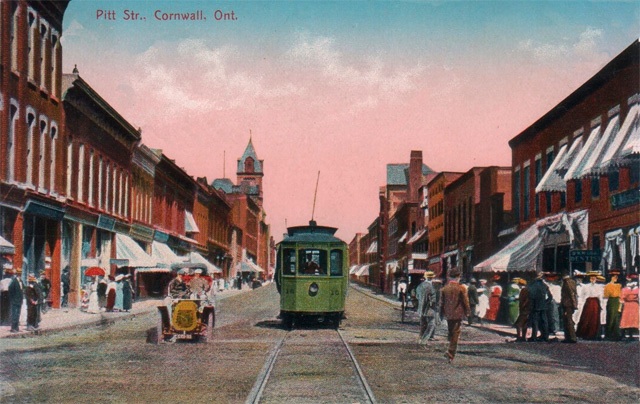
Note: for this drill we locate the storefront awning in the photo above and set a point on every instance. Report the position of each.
(152, 270)
(373, 247)
(417, 236)
(248, 266)
(163, 255)
(576, 169)
(403, 238)
(196, 257)
(131, 253)
(629, 129)
(524, 253)
(353, 269)
(190, 225)
(6, 247)
(363, 271)
(592, 165)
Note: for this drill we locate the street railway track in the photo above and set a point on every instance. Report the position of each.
(311, 365)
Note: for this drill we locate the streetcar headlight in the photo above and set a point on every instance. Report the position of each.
(313, 289)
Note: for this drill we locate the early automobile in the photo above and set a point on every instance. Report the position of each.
(189, 316)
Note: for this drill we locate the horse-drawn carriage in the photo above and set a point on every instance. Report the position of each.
(189, 315)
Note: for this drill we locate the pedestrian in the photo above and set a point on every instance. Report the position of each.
(420, 292)
(111, 294)
(553, 309)
(483, 300)
(45, 287)
(402, 289)
(127, 293)
(198, 285)
(65, 283)
(612, 292)
(119, 303)
(16, 295)
(472, 294)
(580, 279)
(569, 303)
(94, 305)
(454, 306)
(495, 292)
(539, 296)
(513, 292)
(524, 309)
(102, 292)
(5, 304)
(629, 318)
(589, 325)
(33, 296)
(427, 309)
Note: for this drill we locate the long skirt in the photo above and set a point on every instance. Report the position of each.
(612, 329)
(494, 306)
(111, 299)
(589, 325)
(630, 316)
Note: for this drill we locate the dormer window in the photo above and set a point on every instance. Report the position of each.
(248, 165)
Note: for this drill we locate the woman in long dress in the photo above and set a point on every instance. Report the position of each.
(483, 299)
(629, 319)
(494, 302)
(111, 294)
(589, 325)
(94, 306)
(119, 305)
(127, 298)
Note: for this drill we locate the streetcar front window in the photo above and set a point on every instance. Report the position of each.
(312, 262)
(336, 262)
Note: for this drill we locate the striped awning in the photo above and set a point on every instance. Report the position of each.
(6, 247)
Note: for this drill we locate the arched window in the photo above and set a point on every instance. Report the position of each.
(107, 187)
(90, 192)
(32, 35)
(69, 167)
(41, 152)
(114, 188)
(44, 51)
(100, 182)
(248, 165)
(52, 156)
(11, 149)
(55, 51)
(15, 26)
(31, 158)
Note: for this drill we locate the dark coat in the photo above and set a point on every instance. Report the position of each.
(569, 294)
(539, 295)
(472, 291)
(16, 293)
(454, 302)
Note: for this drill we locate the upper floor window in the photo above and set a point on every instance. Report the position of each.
(614, 181)
(595, 187)
(42, 152)
(578, 191)
(81, 173)
(11, 139)
(32, 39)
(31, 158)
(15, 26)
(249, 165)
(44, 47)
(52, 155)
(55, 51)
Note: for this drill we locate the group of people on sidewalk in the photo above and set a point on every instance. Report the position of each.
(586, 310)
(108, 293)
(14, 294)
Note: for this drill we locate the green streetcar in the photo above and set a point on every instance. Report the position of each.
(312, 275)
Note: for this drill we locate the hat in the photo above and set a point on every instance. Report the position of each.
(601, 278)
(631, 277)
(119, 277)
(197, 271)
(551, 275)
(520, 281)
(578, 273)
(428, 274)
(496, 277)
(593, 273)
(31, 278)
(483, 281)
(437, 280)
(615, 272)
(182, 272)
(454, 273)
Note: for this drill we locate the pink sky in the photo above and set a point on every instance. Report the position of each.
(313, 104)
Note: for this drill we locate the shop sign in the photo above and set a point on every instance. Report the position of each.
(161, 236)
(625, 199)
(106, 222)
(44, 210)
(578, 256)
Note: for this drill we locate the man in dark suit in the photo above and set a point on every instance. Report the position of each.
(16, 294)
(569, 303)
(539, 296)
(454, 306)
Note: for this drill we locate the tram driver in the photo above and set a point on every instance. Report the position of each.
(311, 267)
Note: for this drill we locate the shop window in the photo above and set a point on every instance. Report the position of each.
(563, 200)
(547, 198)
(526, 190)
(516, 195)
(634, 174)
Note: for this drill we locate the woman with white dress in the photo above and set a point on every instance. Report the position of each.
(94, 305)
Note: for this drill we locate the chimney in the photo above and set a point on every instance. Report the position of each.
(415, 176)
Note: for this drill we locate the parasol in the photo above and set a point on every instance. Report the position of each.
(94, 271)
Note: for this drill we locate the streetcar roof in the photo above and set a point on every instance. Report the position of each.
(311, 233)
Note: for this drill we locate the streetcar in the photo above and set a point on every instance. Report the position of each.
(311, 275)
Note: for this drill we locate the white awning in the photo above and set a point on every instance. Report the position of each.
(196, 257)
(6, 247)
(524, 253)
(163, 255)
(128, 249)
(632, 145)
(190, 225)
(615, 152)
(248, 266)
(576, 169)
(417, 236)
(363, 271)
(353, 269)
(592, 165)
(551, 181)
(404, 237)
(372, 248)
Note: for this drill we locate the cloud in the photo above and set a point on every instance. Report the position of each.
(584, 47)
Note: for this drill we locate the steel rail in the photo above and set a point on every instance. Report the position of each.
(361, 377)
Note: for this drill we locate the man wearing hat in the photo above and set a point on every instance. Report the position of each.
(16, 295)
(178, 289)
(569, 303)
(539, 295)
(553, 307)
(32, 294)
(524, 308)
(5, 306)
(198, 285)
(427, 308)
(454, 306)
(612, 292)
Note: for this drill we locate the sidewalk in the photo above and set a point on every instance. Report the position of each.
(63, 319)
